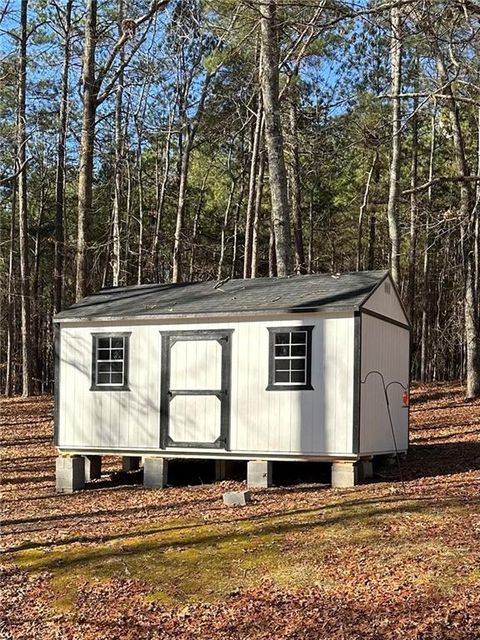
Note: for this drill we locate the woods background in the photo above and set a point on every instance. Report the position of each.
(187, 140)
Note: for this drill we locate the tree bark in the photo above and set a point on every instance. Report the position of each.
(363, 208)
(85, 173)
(258, 209)
(249, 213)
(118, 182)
(59, 250)
(269, 80)
(27, 382)
(161, 187)
(226, 216)
(396, 81)
(9, 373)
(412, 254)
(468, 213)
(191, 130)
(426, 261)
(295, 185)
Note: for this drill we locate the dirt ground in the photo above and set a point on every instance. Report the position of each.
(397, 558)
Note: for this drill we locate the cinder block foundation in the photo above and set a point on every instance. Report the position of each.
(344, 474)
(70, 473)
(259, 474)
(93, 468)
(130, 463)
(155, 472)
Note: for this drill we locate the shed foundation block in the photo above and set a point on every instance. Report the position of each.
(70, 473)
(259, 474)
(344, 474)
(93, 468)
(155, 473)
(130, 463)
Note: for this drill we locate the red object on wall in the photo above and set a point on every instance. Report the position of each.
(406, 399)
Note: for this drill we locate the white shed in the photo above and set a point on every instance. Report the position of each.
(270, 369)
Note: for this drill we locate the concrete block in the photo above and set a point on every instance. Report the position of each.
(155, 472)
(344, 474)
(130, 463)
(70, 473)
(237, 498)
(259, 473)
(93, 468)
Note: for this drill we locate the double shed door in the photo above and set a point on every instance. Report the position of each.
(195, 389)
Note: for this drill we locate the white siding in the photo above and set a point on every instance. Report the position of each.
(196, 365)
(385, 348)
(317, 422)
(194, 419)
(385, 301)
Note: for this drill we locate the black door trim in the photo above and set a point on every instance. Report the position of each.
(169, 338)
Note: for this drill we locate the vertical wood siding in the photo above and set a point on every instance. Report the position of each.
(385, 348)
(385, 301)
(309, 422)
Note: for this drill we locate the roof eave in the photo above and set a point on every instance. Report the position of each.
(212, 314)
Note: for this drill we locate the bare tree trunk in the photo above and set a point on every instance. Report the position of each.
(59, 251)
(269, 80)
(272, 262)
(363, 208)
(118, 182)
(396, 81)
(181, 204)
(236, 217)
(27, 387)
(140, 205)
(468, 213)
(249, 213)
(258, 208)
(128, 219)
(295, 186)
(91, 86)
(160, 198)
(191, 129)
(226, 217)
(412, 254)
(426, 261)
(9, 377)
(196, 223)
(85, 173)
(310, 234)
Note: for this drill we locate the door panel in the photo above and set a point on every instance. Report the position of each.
(196, 364)
(195, 418)
(195, 389)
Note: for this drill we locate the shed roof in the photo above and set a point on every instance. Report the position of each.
(318, 292)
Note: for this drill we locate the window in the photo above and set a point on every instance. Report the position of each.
(290, 358)
(110, 361)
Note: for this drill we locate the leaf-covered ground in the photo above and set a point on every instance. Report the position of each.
(381, 561)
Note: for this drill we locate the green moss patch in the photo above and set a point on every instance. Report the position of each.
(184, 561)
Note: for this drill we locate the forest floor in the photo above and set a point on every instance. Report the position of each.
(385, 560)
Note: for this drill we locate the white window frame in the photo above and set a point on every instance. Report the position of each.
(110, 386)
(273, 358)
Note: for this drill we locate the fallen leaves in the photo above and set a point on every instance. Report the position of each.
(383, 561)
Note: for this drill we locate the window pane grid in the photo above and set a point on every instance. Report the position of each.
(110, 358)
(290, 358)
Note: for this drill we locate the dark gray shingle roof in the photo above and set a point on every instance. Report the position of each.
(323, 292)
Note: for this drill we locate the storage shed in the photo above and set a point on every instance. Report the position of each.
(312, 367)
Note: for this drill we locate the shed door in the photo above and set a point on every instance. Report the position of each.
(195, 389)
